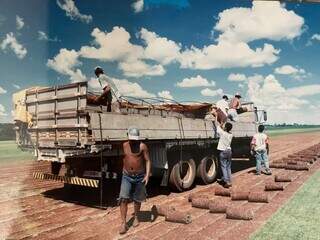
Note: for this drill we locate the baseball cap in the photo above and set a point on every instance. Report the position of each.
(133, 133)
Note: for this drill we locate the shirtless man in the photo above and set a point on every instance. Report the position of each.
(136, 173)
(236, 108)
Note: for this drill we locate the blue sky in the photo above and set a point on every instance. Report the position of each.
(185, 50)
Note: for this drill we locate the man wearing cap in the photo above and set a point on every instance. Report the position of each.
(235, 108)
(135, 176)
(222, 109)
(109, 89)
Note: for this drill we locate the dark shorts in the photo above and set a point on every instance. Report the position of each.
(132, 187)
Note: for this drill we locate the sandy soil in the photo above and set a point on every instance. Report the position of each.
(44, 210)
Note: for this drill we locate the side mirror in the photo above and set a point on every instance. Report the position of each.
(265, 117)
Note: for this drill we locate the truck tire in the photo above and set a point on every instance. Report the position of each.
(207, 170)
(182, 175)
(55, 167)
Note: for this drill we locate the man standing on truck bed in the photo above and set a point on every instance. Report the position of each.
(236, 108)
(222, 109)
(135, 177)
(109, 89)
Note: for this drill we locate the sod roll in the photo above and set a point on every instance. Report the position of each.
(222, 192)
(282, 178)
(218, 206)
(239, 213)
(277, 165)
(200, 203)
(162, 210)
(196, 195)
(260, 197)
(239, 195)
(178, 217)
(299, 167)
(274, 186)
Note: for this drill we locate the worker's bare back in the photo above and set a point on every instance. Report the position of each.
(134, 156)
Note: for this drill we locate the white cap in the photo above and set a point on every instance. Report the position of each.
(133, 133)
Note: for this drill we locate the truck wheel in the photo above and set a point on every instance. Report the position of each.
(182, 175)
(207, 170)
(55, 167)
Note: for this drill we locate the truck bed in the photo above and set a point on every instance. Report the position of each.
(64, 124)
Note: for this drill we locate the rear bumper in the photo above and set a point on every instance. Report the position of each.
(69, 180)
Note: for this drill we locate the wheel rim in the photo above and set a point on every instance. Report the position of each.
(210, 167)
(185, 172)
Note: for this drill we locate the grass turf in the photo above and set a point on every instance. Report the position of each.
(285, 131)
(299, 218)
(10, 153)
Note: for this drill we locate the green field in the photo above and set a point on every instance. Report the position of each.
(10, 153)
(299, 218)
(284, 131)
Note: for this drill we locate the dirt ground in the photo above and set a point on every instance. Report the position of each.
(45, 210)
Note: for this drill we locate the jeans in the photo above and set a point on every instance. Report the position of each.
(132, 187)
(225, 163)
(262, 160)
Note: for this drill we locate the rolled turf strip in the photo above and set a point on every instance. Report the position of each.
(162, 210)
(260, 197)
(200, 203)
(196, 195)
(292, 162)
(277, 165)
(273, 186)
(222, 192)
(297, 167)
(218, 206)
(239, 213)
(282, 178)
(239, 195)
(178, 217)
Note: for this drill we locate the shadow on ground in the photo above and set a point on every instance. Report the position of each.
(92, 197)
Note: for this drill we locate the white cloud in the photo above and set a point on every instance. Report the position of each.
(112, 46)
(2, 90)
(16, 86)
(289, 70)
(72, 11)
(265, 20)
(315, 37)
(307, 90)
(2, 111)
(227, 54)
(42, 36)
(131, 89)
(238, 27)
(268, 93)
(211, 93)
(159, 48)
(65, 63)
(125, 87)
(10, 42)
(197, 81)
(138, 6)
(116, 46)
(139, 68)
(237, 77)
(19, 22)
(295, 72)
(165, 94)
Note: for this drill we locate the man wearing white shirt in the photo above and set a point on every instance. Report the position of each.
(225, 153)
(222, 109)
(109, 88)
(260, 149)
